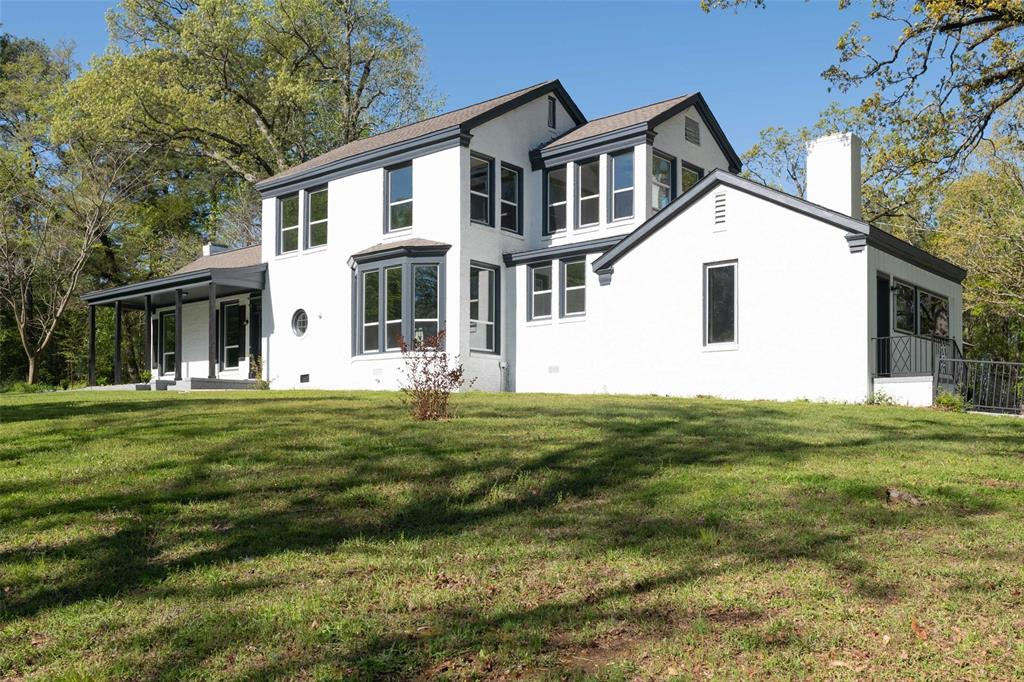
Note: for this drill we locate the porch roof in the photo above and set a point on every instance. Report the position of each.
(194, 284)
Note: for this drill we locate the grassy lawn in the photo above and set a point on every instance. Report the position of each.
(326, 535)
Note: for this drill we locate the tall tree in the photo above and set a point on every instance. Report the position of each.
(252, 86)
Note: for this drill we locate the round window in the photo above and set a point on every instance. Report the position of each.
(299, 322)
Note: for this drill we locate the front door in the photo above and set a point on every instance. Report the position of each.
(233, 334)
(883, 317)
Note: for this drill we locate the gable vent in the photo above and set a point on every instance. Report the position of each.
(720, 208)
(692, 131)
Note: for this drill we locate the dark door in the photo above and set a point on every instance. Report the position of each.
(883, 313)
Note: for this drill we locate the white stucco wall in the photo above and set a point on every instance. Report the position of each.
(801, 314)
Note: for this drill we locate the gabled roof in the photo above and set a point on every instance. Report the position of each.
(643, 119)
(859, 233)
(234, 258)
(460, 121)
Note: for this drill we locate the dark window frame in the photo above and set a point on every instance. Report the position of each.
(496, 274)
(546, 223)
(387, 197)
(162, 317)
(673, 180)
(612, 218)
(530, 316)
(686, 165)
(281, 227)
(563, 288)
(519, 197)
(896, 285)
(306, 223)
(706, 301)
(552, 113)
(222, 334)
(408, 304)
(579, 198)
(489, 221)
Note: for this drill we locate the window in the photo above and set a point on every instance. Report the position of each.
(692, 131)
(691, 175)
(425, 305)
(167, 339)
(393, 295)
(663, 189)
(934, 314)
(556, 200)
(483, 308)
(622, 185)
(905, 308)
(552, 109)
(588, 188)
(300, 322)
(232, 333)
(316, 217)
(720, 303)
(480, 189)
(288, 224)
(540, 291)
(399, 197)
(574, 290)
(398, 301)
(511, 191)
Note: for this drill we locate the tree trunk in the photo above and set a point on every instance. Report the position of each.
(31, 379)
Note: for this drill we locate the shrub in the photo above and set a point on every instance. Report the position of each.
(22, 387)
(880, 398)
(431, 376)
(256, 369)
(951, 402)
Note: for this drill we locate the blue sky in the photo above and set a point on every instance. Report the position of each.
(756, 68)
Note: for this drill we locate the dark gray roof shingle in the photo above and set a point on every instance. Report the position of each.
(235, 258)
(618, 121)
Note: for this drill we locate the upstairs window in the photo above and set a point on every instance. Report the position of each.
(480, 189)
(622, 185)
(511, 191)
(288, 224)
(556, 200)
(540, 291)
(316, 212)
(691, 175)
(663, 188)
(483, 308)
(574, 289)
(588, 188)
(399, 197)
(692, 131)
(720, 303)
(552, 109)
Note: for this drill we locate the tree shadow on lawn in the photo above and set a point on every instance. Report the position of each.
(598, 476)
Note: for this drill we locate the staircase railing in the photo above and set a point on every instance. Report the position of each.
(985, 385)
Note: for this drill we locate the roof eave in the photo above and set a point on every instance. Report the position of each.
(248, 275)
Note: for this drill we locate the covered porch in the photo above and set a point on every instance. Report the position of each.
(202, 326)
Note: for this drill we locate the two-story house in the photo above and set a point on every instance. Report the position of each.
(622, 254)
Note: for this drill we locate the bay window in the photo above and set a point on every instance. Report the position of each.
(396, 300)
(622, 185)
(555, 193)
(426, 308)
(393, 305)
(719, 303)
(588, 190)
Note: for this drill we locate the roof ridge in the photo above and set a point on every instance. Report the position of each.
(642, 106)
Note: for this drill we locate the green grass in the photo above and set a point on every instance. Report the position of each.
(326, 535)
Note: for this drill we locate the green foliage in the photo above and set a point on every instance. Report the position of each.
(880, 397)
(25, 387)
(951, 402)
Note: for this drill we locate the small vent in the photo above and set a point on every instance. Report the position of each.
(720, 209)
(692, 131)
(303, 378)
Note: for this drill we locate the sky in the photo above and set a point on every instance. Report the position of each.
(755, 67)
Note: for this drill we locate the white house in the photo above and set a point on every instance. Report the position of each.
(621, 255)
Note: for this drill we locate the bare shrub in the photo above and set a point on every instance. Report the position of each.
(431, 376)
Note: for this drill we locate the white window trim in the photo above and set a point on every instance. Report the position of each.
(566, 288)
(580, 197)
(734, 343)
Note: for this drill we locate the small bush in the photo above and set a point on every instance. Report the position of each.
(880, 398)
(256, 369)
(431, 377)
(22, 387)
(951, 402)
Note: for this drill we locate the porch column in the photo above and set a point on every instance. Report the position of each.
(92, 345)
(117, 342)
(177, 335)
(212, 322)
(147, 340)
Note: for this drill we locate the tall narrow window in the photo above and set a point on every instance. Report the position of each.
(371, 311)
(692, 131)
(691, 175)
(720, 303)
(288, 223)
(316, 218)
(540, 291)
(551, 112)
(167, 338)
(399, 190)
(511, 189)
(393, 308)
(425, 304)
(588, 187)
(622, 185)
(482, 309)
(480, 190)
(574, 289)
(556, 200)
(233, 328)
(905, 308)
(662, 190)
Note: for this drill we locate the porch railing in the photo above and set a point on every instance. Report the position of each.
(985, 385)
(907, 355)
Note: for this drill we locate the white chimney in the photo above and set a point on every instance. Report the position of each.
(833, 173)
(209, 249)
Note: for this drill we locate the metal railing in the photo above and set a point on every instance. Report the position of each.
(907, 355)
(985, 385)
